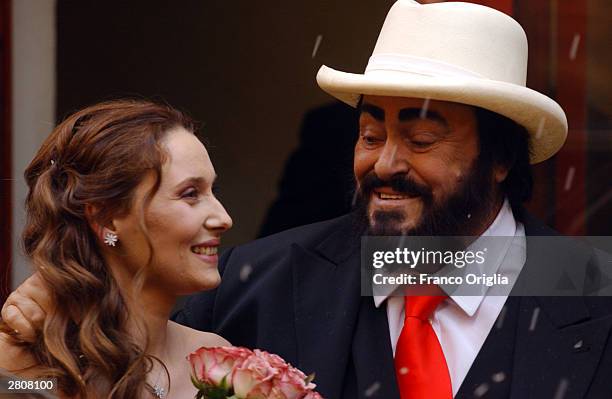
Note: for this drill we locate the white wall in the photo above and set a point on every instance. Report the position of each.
(33, 68)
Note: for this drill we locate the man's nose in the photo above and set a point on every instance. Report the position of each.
(393, 160)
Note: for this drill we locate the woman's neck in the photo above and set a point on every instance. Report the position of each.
(149, 307)
(152, 307)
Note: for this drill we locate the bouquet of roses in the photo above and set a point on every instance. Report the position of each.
(239, 373)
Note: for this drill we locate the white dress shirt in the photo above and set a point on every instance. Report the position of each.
(461, 322)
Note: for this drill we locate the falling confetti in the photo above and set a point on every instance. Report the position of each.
(403, 370)
(569, 178)
(424, 109)
(498, 377)
(574, 47)
(562, 388)
(578, 344)
(393, 152)
(481, 390)
(534, 319)
(317, 44)
(372, 389)
(355, 198)
(245, 272)
(469, 216)
(500, 319)
(540, 128)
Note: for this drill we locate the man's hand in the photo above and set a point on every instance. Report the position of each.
(26, 308)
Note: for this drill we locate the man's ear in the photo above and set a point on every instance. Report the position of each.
(500, 172)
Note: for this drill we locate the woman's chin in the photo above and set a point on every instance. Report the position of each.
(204, 282)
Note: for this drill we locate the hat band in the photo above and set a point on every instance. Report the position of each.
(417, 65)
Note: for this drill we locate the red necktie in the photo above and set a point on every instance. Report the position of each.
(420, 365)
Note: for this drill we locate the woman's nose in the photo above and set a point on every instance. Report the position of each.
(218, 219)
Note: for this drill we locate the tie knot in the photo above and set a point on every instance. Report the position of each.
(422, 307)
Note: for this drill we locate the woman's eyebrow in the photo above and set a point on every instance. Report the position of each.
(195, 180)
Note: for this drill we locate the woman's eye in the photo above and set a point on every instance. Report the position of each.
(190, 193)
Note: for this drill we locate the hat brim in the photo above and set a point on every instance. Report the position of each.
(543, 118)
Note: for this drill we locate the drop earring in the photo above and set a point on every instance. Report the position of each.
(110, 238)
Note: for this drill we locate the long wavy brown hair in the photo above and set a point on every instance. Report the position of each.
(96, 157)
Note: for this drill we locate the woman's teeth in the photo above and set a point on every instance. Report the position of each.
(208, 251)
(391, 196)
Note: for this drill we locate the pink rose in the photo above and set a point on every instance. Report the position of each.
(246, 374)
(287, 382)
(254, 378)
(274, 360)
(312, 395)
(292, 383)
(212, 365)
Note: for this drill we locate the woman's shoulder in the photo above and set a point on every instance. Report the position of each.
(196, 339)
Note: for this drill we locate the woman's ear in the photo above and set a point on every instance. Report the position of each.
(106, 234)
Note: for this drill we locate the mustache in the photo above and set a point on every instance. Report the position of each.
(398, 183)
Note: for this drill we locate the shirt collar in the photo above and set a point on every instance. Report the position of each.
(504, 225)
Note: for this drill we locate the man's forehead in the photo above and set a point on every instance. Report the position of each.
(407, 108)
(403, 102)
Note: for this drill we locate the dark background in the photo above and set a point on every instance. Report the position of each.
(243, 68)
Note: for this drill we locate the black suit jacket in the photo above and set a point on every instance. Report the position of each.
(297, 294)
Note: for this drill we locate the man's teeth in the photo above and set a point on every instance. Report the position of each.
(391, 196)
(209, 251)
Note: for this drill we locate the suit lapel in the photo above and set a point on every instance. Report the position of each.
(558, 347)
(326, 301)
(491, 371)
(372, 353)
(558, 342)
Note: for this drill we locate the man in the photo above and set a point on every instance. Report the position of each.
(447, 130)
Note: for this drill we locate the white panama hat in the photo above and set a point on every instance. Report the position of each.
(459, 52)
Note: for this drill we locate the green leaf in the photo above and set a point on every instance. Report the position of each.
(214, 392)
(208, 391)
(197, 383)
(310, 378)
(224, 383)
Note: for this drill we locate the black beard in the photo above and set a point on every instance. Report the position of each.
(459, 215)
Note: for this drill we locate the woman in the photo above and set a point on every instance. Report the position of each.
(121, 220)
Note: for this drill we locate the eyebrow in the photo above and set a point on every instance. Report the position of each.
(405, 114)
(196, 181)
(376, 112)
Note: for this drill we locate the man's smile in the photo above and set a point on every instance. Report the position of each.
(385, 197)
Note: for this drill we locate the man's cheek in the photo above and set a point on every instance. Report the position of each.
(363, 163)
